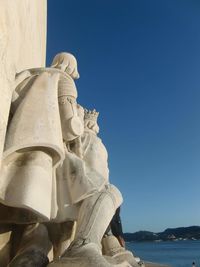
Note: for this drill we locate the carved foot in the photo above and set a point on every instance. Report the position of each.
(112, 248)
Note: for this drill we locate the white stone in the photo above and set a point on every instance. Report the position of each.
(112, 248)
(87, 256)
(22, 46)
(34, 139)
(87, 182)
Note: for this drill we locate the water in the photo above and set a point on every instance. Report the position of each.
(173, 253)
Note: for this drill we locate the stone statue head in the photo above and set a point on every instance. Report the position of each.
(67, 63)
(90, 121)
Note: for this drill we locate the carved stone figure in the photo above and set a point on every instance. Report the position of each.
(43, 114)
(34, 142)
(54, 170)
(95, 199)
(57, 166)
(37, 164)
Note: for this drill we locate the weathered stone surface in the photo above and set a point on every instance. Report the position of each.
(22, 46)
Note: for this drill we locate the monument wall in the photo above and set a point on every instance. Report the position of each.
(22, 46)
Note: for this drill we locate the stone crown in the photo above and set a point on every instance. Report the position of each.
(90, 115)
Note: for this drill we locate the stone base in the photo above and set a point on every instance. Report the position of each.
(86, 256)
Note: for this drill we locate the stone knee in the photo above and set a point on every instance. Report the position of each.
(96, 213)
(115, 195)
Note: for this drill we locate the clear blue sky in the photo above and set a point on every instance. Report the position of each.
(139, 62)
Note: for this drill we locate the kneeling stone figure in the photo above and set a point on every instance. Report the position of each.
(80, 190)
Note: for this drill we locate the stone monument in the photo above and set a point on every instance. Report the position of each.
(54, 177)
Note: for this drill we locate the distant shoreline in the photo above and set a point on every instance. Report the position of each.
(170, 234)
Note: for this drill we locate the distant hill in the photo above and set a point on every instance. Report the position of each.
(181, 233)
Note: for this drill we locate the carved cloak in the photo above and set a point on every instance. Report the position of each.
(33, 147)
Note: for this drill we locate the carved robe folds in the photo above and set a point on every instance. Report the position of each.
(40, 180)
(34, 145)
(77, 178)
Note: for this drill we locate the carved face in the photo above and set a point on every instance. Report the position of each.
(91, 126)
(67, 63)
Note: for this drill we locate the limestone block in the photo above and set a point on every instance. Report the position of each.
(22, 45)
